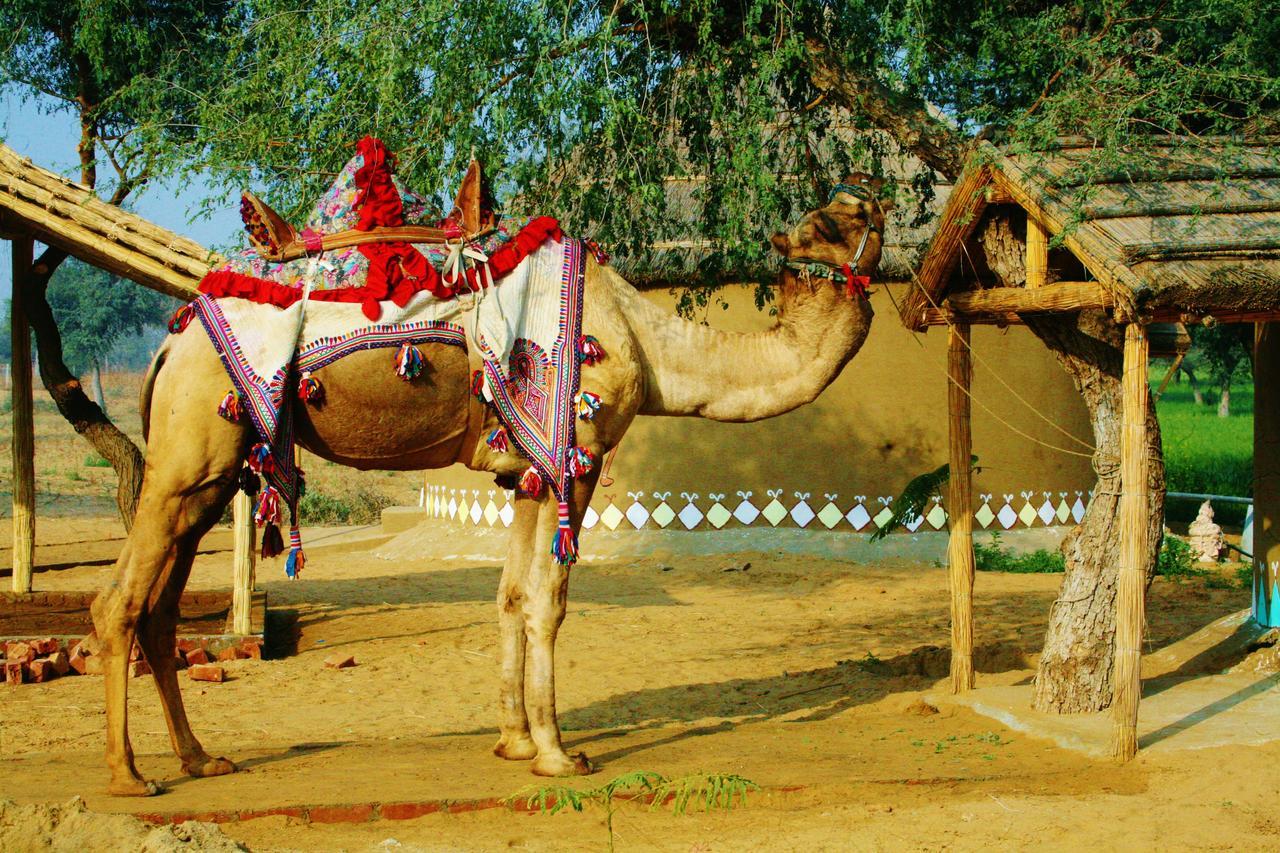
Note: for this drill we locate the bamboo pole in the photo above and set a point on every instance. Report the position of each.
(1131, 584)
(242, 564)
(1266, 472)
(1065, 296)
(1037, 253)
(960, 560)
(24, 472)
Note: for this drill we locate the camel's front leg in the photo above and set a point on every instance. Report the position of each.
(546, 594)
(514, 742)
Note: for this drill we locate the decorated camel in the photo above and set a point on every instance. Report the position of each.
(454, 391)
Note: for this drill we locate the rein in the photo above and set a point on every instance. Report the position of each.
(854, 283)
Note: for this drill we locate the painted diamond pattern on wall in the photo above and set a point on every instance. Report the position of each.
(1027, 515)
(690, 515)
(1064, 511)
(1077, 508)
(590, 518)
(913, 524)
(507, 513)
(830, 514)
(611, 516)
(802, 513)
(882, 517)
(453, 505)
(477, 512)
(636, 513)
(718, 516)
(490, 511)
(775, 511)
(858, 516)
(746, 511)
(1047, 513)
(1007, 516)
(663, 514)
(937, 516)
(984, 515)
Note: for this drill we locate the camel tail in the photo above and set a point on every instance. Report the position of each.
(149, 384)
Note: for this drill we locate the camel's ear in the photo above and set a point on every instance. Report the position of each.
(874, 186)
(782, 243)
(467, 206)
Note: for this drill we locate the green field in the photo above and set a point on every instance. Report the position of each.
(1203, 452)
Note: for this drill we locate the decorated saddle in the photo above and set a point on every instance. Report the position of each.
(511, 295)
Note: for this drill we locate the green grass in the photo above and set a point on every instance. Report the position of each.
(1203, 452)
(1174, 560)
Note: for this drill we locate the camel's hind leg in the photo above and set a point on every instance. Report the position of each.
(514, 741)
(192, 460)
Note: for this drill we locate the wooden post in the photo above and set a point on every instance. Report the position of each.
(1266, 474)
(24, 450)
(960, 560)
(1037, 253)
(242, 564)
(1132, 581)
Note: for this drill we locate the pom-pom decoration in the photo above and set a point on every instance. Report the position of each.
(268, 511)
(181, 319)
(310, 390)
(588, 405)
(231, 406)
(408, 362)
(589, 350)
(477, 385)
(260, 460)
(497, 440)
(580, 462)
(249, 482)
(531, 482)
(297, 560)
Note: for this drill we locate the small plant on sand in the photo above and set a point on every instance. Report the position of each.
(93, 460)
(997, 557)
(1176, 561)
(703, 791)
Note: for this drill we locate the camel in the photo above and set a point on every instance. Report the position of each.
(656, 364)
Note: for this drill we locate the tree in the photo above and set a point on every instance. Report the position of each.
(94, 310)
(127, 71)
(1227, 352)
(589, 109)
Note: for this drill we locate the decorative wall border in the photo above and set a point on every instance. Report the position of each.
(657, 510)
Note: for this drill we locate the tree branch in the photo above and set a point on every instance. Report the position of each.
(904, 117)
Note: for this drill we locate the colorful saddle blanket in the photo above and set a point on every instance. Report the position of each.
(517, 302)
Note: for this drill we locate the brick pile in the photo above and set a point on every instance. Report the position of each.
(40, 660)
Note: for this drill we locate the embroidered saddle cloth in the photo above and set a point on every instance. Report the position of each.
(516, 298)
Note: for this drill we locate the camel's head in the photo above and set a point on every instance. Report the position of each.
(848, 230)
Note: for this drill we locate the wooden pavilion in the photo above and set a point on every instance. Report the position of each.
(1186, 238)
(39, 205)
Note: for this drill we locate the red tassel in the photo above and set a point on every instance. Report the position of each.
(181, 319)
(564, 547)
(260, 460)
(497, 440)
(230, 407)
(855, 285)
(268, 511)
(408, 362)
(580, 461)
(297, 559)
(531, 482)
(272, 542)
(477, 385)
(601, 256)
(589, 350)
(310, 390)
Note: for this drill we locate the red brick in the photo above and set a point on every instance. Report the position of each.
(299, 812)
(341, 814)
(187, 644)
(139, 667)
(46, 646)
(231, 653)
(78, 661)
(197, 657)
(13, 673)
(339, 660)
(408, 811)
(41, 670)
(19, 652)
(207, 672)
(463, 806)
(60, 662)
(93, 665)
(252, 649)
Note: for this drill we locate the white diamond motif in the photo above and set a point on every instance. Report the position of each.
(1027, 515)
(801, 514)
(590, 518)
(1007, 517)
(490, 512)
(1077, 510)
(690, 516)
(1046, 513)
(859, 517)
(507, 514)
(882, 517)
(746, 512)
(476, 512)
(1064, 511)
(984, 515)
(914, 523)
(453, 507)
(663, 514)
(830, 515)
(637, 515)
(611, 516)
(937, 516)
(718, 515)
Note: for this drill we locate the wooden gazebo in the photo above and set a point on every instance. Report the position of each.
(1185, 238)
(39, 205)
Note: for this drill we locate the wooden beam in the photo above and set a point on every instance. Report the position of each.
(1132, 581)
(1062, 297)
(242, 564)
(1266, 473)
(1037, 252)
(960, 559)
(24, 451)
(947, 317)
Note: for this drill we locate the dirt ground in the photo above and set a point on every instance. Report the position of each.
(803, 675)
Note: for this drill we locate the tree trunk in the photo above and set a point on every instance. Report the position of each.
(1224, 402)
(1076, 662)
(1195, 386)
(96, 378)
(1079, 647)
(86, 417)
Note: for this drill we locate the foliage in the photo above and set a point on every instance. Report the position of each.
(1226, 351)
(94, 310)
(705, 791)
(996, 557)
(6, 323)
(1207, 454)
(360, 506)
(910, 505)
(684, 119)
(1175, 560)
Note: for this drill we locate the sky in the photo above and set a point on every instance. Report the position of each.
(50, 139)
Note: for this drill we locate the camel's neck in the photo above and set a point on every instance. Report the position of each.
(695, 370)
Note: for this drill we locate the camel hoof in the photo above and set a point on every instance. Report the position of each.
(562, 765)
(209, 767)
(133, 787)
(516, 749)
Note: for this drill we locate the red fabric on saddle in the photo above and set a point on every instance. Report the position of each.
(398, 283)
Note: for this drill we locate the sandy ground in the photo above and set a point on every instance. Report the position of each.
(802, 674)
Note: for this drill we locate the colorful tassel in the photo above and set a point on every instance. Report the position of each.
(297, 560)
(310, 390)
(588, 405)
(855, 285)
(260, 459)
(531, 482)
(268, 511)
(497, 440)
(181, 319)
(249, 482)
(589, 350)
(477, 385)
(580, 461)
(408, 362)
(601, 256)
(564, 547)
(272, 542)
(231, 406)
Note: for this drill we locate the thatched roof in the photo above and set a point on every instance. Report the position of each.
(62, 213)
(1195, 233)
